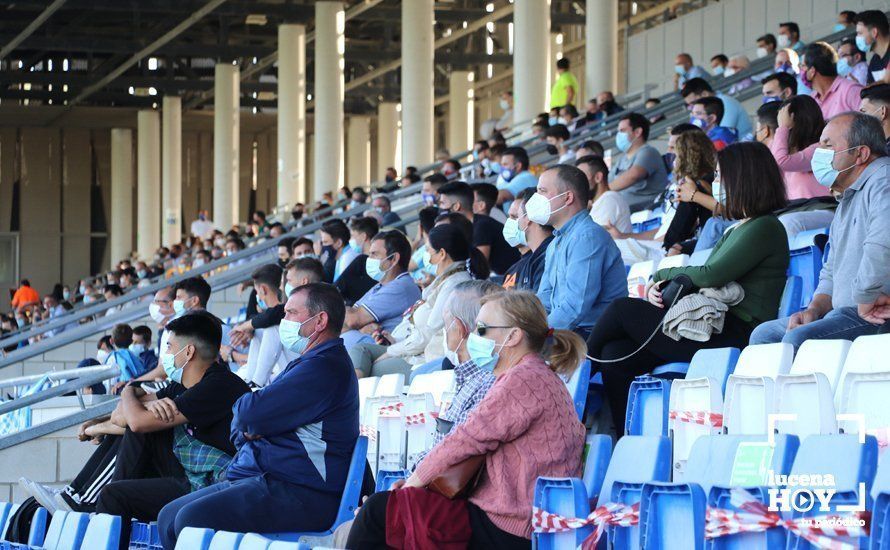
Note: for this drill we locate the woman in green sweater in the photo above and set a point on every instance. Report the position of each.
(753, 253)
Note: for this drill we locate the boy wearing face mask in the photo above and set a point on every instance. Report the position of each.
(639, 176)
(522, 233)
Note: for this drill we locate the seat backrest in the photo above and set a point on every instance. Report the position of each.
(765, 360)
(638, 277)
(712, 457)
(840, 455)
(224, 540)
(881, 483)
(637, 459)
(390, 384)
(194, 538)
(806, 239)
(435, 383)
(699, 257)
(679, 260)
(73, 530)
(578, 385)
(252, 541)
(806, 263)
(717, 363)
(599, 450)
(868, 354)
(825, 356)
(790, 303)
(349, 502)
(103, 533)
(51, 540)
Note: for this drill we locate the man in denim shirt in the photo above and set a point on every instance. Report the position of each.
(583, 269)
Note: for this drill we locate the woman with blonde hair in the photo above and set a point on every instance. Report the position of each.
(694, 165)
(525, 427)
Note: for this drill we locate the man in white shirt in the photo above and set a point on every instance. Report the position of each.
(202, 227)
(607, 208)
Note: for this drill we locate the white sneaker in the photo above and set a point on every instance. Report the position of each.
(45, 496)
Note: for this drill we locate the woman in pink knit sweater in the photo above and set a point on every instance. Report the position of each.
(526, 426)
(800, 126)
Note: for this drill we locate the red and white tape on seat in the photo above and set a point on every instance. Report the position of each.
(704, 418)
(620, 515)
(419, 418)
(754, 517)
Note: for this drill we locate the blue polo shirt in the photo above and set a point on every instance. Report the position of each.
(308, 420)
(387, 302)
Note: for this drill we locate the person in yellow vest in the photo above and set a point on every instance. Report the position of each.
(565, 89)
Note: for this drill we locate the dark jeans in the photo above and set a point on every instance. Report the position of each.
(254, 504)
(369, 529)
(623, 328)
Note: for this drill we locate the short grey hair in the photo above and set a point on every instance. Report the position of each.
(865, 130)
(465, 301)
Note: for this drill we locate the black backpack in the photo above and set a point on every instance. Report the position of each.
(19, 526)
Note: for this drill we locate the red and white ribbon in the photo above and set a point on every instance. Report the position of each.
(391, 411)
(704, 418)
(419, 418)
(368, 431)
(620, 515)
(753, 516)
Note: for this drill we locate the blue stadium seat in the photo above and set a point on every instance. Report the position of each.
(103, 533)
(578, 386)
(880, 517)
(194, 538)
(252, 541)
(595, 394)
(791, 297)
(850, 462)
(385, 479)
(73, 531)
(144, 535)
(225, 540)
(671, 371)
(672, 516)
(51, 540)
(7, 509)
(38, 527)
(806, 238)
(648, 225)
(635, 461)
(806, 263)
(700, 257)
(350, 499)
(573, 497)
(647, 406)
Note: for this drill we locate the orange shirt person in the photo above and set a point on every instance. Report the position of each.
(25, 296)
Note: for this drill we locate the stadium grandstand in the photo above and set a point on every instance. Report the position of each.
(431, 274)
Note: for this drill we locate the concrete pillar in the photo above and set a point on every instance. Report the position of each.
(600, 47)
(417, 82)
(121, 193)
(291, 114)
(171, 170)
(387, 127)
(461, 109)
(148, 168)
(358, 152)
(330, 44)
(531, 52)
(226, 144)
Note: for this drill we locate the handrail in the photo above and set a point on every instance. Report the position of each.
(96, 411)
(61, 389)
(53, 376)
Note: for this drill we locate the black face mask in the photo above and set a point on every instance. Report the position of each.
(389, 179)
(551, 149)
(282, 263)
(296, 214)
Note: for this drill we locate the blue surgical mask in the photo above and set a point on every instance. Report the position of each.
(137, 349)
(513, 234)
(288, 288)
(553, 121)
(428, 198)
(822, 164)
(373, 269)
(261, 305)
(623, 142)
(168, 362)
(495, 167)
(717, 191)
(310, 255)
(701, 123)
(680, 70)
(843, 67)
(475, 154)
(142, 274)
(838, 27)
(862, 44)
(291, 339)
(506, 174)
(718, 70)
(426, 257)
(66, 294)
(482, 351)
(770, 99)
(178, 307)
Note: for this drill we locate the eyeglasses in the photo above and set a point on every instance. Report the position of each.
(482, 328)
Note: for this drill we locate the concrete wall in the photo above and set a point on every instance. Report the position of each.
(730, 27)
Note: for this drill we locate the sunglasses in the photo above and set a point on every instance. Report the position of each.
(482, 328)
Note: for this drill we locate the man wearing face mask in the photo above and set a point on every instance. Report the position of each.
(640, 175)
(734, 114)
(556, 136)
(450, 169)
(685, 70)
(506, 105)
(718, 64)
(532, 240)
(267, 284)
(707, 114)
(766, 45)
(777, 87)
(514, 175)
(851, 62)
(294, 437)
(818, 71)
(607, 208)
(381, 307)
(789, 36)
(873, 34)
(583, 271)
(430, 188)
(354, 281)
(851, 161)
(383, 206)
(336, 254)
(141, 346)
(875, 101)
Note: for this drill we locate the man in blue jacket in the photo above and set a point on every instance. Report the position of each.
(294, 437)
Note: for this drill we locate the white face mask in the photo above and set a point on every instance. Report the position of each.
(102, 355)
(450, 354)
(761, 52)
(538, 208)
(784, 41)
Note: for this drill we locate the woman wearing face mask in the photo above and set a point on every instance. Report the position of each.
(797, 136)
(752, 253)
(418, 337)
(526, 427)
